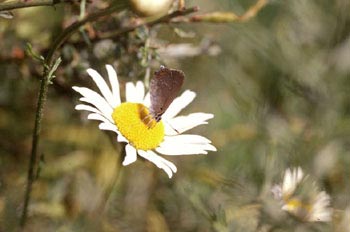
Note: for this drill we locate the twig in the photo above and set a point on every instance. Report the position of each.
(227, 17)
(11, 5)
(253, 10)
(45, 81)
(164, 19)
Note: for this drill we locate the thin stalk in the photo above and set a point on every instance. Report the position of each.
(11, 5)
(45, 81)
(33, 155)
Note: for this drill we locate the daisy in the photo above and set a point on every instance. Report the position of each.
(126, 120)
(295, 199)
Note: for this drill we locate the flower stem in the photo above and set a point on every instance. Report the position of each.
(33, 155)
(45, 81)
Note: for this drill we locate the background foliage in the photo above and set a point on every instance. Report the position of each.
(278, 85)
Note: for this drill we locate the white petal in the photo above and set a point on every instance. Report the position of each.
(186, 138)
(184, 149)
(103, 87)
(299, 174)
(147, 100)
(130, 92)
(98, 117)
(179, 103)
(130, 156)
(87, 108)
(167, 162)
(288, 185)
(106, 112)
(113, 79)
(170, 165)
(140, 90)
(321, 210)
(184, 123)
(121, 138)
(169, 129)
(95, 99)
(160, 162)
(292, 178)
(108, 126)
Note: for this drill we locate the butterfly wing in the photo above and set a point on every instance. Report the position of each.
(164, 87)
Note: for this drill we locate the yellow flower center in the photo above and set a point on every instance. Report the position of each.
(136, 124)
(296, 204)
(298, 208)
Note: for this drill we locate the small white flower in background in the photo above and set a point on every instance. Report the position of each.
(301, 198)
(125, 119)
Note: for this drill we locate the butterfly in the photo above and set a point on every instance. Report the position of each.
(164, 87)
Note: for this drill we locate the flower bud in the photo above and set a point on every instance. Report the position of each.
(150, 7)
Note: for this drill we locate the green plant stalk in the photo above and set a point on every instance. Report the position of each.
(45, 81)
(36, 135)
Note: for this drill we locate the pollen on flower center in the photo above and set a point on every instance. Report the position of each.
(136, 124)
(298, 208)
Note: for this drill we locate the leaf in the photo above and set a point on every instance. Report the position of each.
(33, 54)
(53, 69)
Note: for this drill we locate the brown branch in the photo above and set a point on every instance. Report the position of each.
(11, 5)
(164, 19)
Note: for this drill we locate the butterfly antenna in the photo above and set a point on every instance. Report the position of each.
(177, 132)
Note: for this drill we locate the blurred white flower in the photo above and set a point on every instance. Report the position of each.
(126, 120)
(301, 198)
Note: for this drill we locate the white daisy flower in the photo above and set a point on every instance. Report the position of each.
(306, 205)
(126, 120)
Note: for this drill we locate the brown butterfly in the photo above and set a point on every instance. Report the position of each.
(164, 87)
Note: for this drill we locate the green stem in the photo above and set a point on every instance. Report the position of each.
(45, 81)
(36, 136)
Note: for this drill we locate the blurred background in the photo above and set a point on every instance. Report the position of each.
(278, 85)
